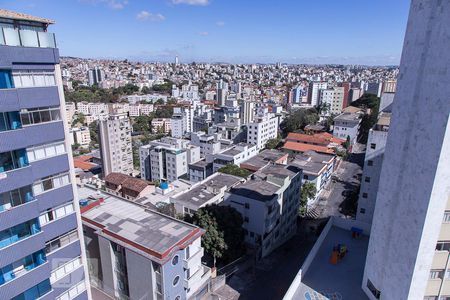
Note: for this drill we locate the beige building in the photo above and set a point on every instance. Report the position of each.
(115, 144)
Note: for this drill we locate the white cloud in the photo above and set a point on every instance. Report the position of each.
(203, 33)
(191, 2)
(220, 23)
(148, 16)
(113, 4)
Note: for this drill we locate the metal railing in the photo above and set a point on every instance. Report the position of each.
(26, 38)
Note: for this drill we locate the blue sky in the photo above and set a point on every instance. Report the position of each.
(237, 31)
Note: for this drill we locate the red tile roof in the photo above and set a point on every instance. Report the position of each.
(301, 147)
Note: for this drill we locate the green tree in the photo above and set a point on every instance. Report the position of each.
(371, 102)
(159, 102)
(93, 132)
(142, 123)
(307, 193)
(299, 119)
(213, 240)
(80, 119)
(145, 90)
(232, 169)
(273, 143)
(229, 226)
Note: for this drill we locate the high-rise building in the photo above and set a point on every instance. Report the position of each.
(314, 92)
(373, 160)
(95, 76)
(334, 99)
(246, 111)
(115, 144)
(408, 252)
(262, 129)
(41, 245)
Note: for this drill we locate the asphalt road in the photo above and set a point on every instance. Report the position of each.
(349, 174)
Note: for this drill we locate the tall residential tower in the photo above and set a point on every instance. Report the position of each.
(408, 255)
(41, 244)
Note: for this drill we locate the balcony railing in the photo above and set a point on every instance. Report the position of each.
(26, 38)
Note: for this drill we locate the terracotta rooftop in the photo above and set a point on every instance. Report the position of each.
(300, 147)
(135, 184)
(116, 178)
(84, 165)
(8, 14)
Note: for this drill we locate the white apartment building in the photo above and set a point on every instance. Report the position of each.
(161, 125)
(167, 159)
(80, 136)
(206, 192)
(70, 112)
(137, 253)
(408, 254)
(314, 92)
(115, 144)
(347, 125)
(373, 160)
(268, 203)
(247, 111)
(262, 129)
(94, 109)
(209, 143)
(234, 155)
(334, 98)
(181, 122)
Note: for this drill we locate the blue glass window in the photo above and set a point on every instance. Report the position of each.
(10, 120)
(6, 81)
(13, 160)
(22, 266)
(15, 197)
(35, 292)
(18, 232)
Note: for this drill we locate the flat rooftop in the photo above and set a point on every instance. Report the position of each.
(340, 281)
(156, 197)
(135, 225)
(203, 192)
(347, 116)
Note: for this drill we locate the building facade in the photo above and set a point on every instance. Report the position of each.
(261, 130)
(268, 203)
(408, 251)
(115, 144)
(41, 246)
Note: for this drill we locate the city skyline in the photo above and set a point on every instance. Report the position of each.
(215, 31)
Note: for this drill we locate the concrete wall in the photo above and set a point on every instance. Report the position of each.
(414, 183)
(140, 276)
(366, 205)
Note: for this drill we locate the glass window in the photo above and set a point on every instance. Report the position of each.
(45, 116)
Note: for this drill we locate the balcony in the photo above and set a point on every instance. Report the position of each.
(31, 135)
(188, 263)
(27, 280)
(26, 38)
(22, 248)
(19, 214)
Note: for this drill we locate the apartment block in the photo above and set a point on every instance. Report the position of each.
(162, 125)
(314, 92)
(408, 251)
(41, 245)
(234, 155)
(209, 191)
(373, 160)
(80, 136)
(262, 129)
(209, 143)
(334, 99)
(347, 125)
(268, 203)
(137, 253)
(317, 169)
(115, 144)
(167, 159)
